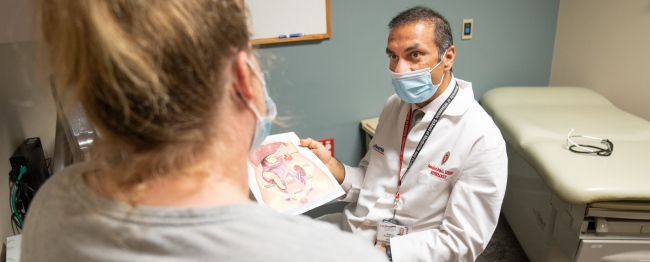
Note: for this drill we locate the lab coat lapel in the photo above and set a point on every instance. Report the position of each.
(463, 100)
(458, 106)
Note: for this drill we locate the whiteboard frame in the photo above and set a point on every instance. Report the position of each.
(262, 41)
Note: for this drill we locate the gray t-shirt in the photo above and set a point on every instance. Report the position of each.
(67, 221)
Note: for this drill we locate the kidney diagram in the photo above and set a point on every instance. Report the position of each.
(286, 178)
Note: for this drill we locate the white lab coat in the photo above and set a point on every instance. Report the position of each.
(453, 207)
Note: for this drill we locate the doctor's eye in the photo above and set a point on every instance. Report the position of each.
(392, 57)
(416, 55)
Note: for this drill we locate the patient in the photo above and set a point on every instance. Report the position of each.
(178, 100)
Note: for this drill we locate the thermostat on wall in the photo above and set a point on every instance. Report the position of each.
(468, 29)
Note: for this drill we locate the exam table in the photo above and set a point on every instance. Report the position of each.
(564, 206)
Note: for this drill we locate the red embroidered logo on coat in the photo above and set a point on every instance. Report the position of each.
(445, 158)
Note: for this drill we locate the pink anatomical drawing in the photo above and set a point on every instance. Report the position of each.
(286, 179)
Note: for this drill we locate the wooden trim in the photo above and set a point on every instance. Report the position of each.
(262, 41)
(272, 40)
(328, 16)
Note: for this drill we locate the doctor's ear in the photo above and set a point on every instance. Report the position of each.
(242, 76)
(449, 57)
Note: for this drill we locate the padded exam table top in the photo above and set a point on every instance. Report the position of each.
(535, 121)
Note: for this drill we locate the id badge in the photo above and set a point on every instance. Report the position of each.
(388, 228)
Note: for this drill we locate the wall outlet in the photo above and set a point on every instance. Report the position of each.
(329, 144)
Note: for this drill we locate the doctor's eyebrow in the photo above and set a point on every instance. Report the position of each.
(408, 49)
(411, 48)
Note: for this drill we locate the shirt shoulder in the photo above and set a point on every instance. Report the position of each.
(393, 103)
(67, 222)
(56, 193)
(47, 220)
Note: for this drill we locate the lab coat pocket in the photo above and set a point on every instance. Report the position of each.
(420, 199)
(430, 181)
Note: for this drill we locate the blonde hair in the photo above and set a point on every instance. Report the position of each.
(149, 74)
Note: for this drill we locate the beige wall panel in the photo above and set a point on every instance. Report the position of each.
(27, 110)
(16, 23)
(604, 45)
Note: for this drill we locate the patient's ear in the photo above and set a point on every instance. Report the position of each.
(242, 74)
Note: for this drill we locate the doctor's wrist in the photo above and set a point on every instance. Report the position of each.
(337, 169)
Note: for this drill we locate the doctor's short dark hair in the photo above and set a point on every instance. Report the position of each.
(443, 40)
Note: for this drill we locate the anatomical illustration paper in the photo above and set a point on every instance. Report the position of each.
(288, 177)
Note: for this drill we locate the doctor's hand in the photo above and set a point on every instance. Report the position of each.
(325, 155)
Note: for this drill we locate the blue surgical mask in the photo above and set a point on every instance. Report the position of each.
(263, 124)
(415, 86)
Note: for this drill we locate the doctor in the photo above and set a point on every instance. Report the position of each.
(434, 138)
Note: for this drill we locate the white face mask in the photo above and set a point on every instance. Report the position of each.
(263, 124)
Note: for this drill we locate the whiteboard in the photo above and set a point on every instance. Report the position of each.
(271, 19)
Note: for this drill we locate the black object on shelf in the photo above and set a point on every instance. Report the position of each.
(30, 155)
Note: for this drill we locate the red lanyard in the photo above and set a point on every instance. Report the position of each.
(405, 133)
(426, 135)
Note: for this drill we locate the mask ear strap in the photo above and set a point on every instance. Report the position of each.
(249, 103)
(442, 79)
(257, 114)
(258, 74)
(443, 58)
(243, 98)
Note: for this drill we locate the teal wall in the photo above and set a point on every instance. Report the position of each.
(327, 87)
